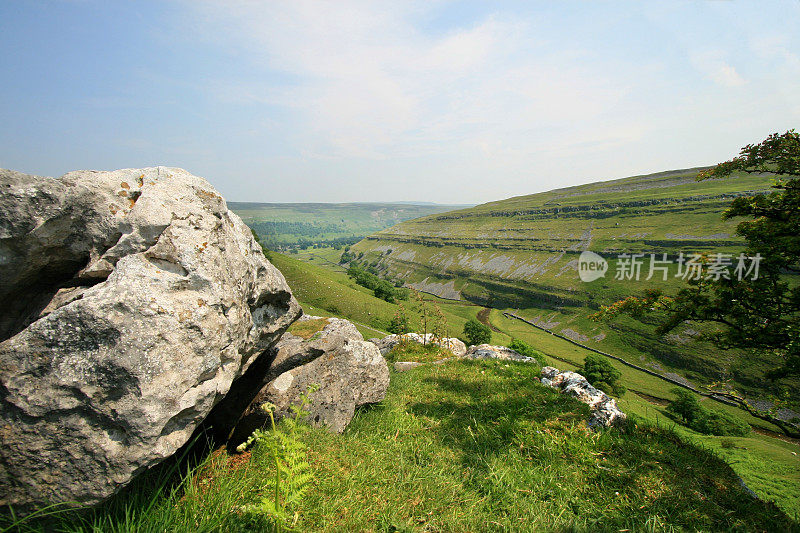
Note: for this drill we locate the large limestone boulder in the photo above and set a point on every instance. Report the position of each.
(348, 371)
(387, 343)
(133, 300)
(603, 408)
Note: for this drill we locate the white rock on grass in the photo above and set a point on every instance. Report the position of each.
(386, 344)
(349, 372)
(604, 409)
(502, 353)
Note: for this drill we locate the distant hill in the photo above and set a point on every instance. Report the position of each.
(302, 225)
(522, 254)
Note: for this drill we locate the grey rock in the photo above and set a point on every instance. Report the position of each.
(604, 409)
(387, 343)
(337, 326)
(404, 366)
(136, 300)
(349, 372)
(502, 353)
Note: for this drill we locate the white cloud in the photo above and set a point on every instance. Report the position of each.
(714, 67)
(368, 83)
(385, 94)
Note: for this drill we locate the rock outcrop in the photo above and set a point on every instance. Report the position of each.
(132, 300)
(450, 343)
(503, 353)
(347, 370)
(603, 408)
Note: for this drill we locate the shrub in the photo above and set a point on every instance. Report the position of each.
(399, 323)
(384, 290)
(686, 405)
(477, 333)
(523, 348)
(719, 423)
(599, 371)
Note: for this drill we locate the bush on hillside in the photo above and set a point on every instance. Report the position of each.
(722, 424)
(523, 348)
(709, 422)
(477, 333)
(599, 371)
(385, 291)
(399, 324)
(686, 405)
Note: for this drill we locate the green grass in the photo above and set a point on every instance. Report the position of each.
(770, 469)
(467, 446)
(327, 291)
(411, 351)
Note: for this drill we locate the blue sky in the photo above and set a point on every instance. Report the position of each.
(444, 101)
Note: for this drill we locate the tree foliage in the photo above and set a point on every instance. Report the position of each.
(477, 333)
(757, 313)
(599, 371)
(687, 406)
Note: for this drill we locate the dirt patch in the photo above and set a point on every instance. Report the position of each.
(483, 318)
(776, 435)
(652, 399)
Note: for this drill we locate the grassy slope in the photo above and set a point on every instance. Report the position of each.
(327, 290)
(465, 446)
(768, 465)
(520, 254)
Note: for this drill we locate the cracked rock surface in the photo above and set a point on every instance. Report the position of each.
(133, 301)
(348, 371)
(604, 409)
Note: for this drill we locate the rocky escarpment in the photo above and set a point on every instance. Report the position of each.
(133, 301)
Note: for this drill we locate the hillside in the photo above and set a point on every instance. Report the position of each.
(464, 446)
(301, 225)
(770, 466)
(521, 254)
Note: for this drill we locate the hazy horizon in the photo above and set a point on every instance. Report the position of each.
(449, 102)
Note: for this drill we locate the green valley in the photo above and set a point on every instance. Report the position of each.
(305, 225)
(521, 254)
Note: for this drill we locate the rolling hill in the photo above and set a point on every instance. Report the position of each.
(521, 254)
(300, 225)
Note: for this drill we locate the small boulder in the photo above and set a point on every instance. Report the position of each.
(604, 409)
(348, 371)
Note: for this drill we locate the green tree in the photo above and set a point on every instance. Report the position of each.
(477, 333)
(686, 405)
(384, 290)
(599, 371)
(757, 313)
